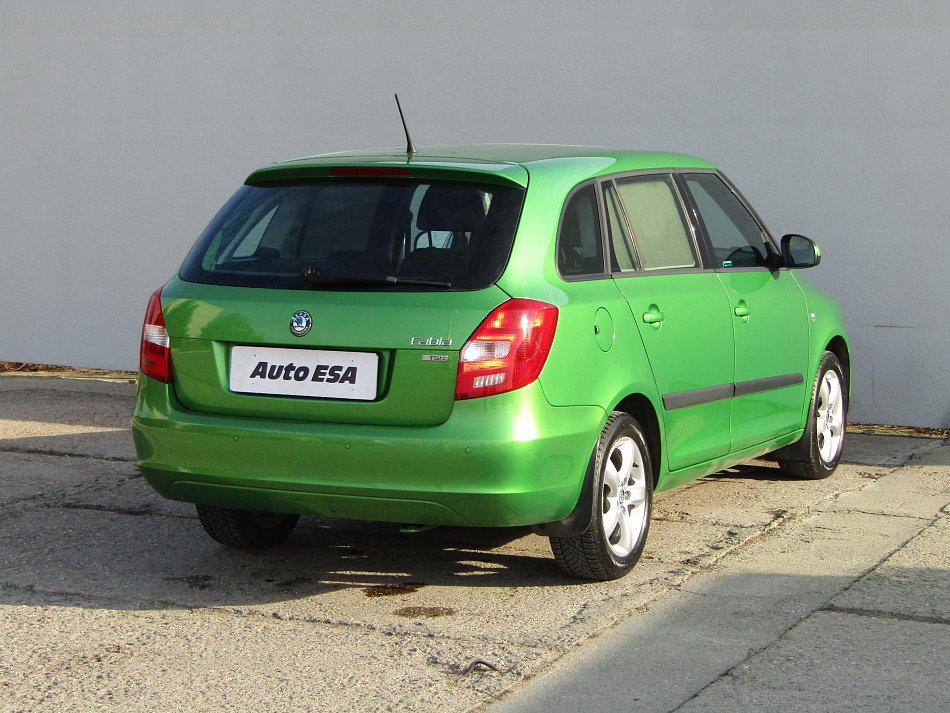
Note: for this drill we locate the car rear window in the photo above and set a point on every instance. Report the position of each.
(359, 234)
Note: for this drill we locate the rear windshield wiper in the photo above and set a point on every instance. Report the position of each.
(318, 278)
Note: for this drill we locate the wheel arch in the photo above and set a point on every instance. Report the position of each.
(839, 347)
(801, 450)
(640, 407)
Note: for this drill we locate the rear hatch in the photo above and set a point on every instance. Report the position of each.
(340, 298)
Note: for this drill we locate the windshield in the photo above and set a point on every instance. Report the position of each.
(359, 234)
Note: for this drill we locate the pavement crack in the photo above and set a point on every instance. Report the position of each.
(880, 513)
(367, 627)
(880, 614)
(51, 597)
(111, 509)
(63, 454)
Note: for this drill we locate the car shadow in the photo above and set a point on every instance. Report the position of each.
(752, 470)
(134, 550)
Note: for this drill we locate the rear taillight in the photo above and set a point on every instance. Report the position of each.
(508, 350)
(155, 357)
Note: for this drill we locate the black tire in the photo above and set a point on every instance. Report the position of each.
(597, 554)
(245, 529)
(823, 441)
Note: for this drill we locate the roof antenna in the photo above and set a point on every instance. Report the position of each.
(410, 147)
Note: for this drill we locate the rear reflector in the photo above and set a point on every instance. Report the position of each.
(508, 350)
(155, 356)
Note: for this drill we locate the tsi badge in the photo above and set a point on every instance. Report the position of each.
(300, 323)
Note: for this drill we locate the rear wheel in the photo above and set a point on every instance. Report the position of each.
(826, 424)
(623, 499)
(246, 529)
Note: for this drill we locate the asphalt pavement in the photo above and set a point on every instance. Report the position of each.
(756, 592)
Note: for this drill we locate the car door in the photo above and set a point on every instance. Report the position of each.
(767, 309)
(680, 310)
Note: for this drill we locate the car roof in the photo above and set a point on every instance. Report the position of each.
(513, 162)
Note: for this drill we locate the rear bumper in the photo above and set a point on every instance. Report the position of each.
(505, 460)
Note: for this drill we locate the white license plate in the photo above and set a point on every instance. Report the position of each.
(304, 372)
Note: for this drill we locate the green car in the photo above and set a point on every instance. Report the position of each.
(486, 336)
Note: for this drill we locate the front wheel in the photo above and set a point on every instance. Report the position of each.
(245, 529)
(623, 499)
(826, 424)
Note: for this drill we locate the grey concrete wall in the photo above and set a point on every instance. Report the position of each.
(125, 125)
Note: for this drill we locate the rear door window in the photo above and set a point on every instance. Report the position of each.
(646, 210)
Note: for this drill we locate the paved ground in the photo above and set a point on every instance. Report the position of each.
(757, 592)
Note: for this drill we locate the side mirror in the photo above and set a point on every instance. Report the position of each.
(799, 251)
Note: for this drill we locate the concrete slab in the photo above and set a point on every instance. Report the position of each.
(722, 617)
(681, 542)
(124, 491)
(867, 449)
(66, 422)
(677, 648)
(11, 381)
(67, 658)
(661, 657)
(28, 477)
(837, 662)
(913, 582)
(939, 457)
(915, 491)
(754, 494)
(837, 545)
(30, 480)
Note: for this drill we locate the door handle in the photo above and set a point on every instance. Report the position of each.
(653, 315)
(742, 309)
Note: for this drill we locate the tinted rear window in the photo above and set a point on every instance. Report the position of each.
(457, 236)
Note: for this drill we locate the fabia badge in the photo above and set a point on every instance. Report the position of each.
(300, 323)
